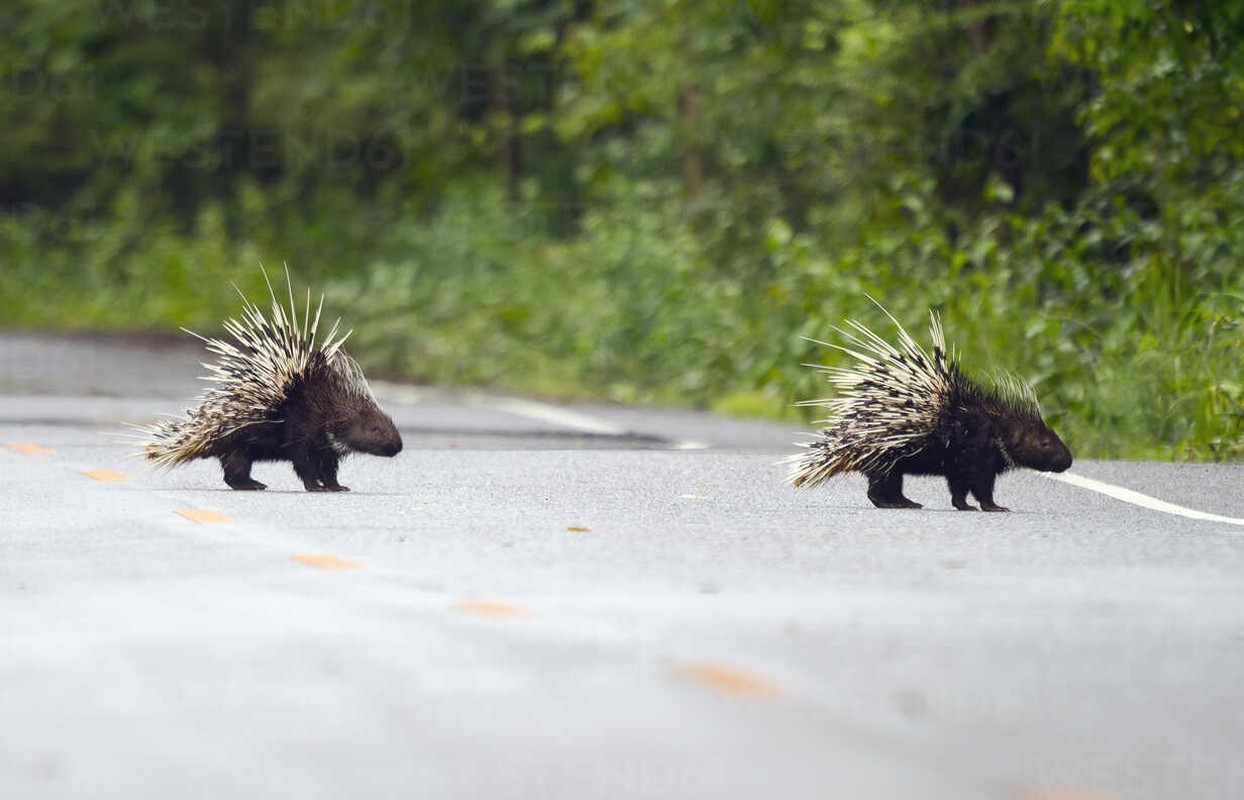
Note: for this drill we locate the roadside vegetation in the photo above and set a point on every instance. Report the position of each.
(656, 201)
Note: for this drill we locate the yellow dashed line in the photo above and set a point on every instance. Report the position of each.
(578, 529)
(31, 449)
(491, 608)
(325, 561)
(203, 515)
(727, 680)
(106, 475)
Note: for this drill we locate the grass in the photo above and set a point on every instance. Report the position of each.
(1143, 358)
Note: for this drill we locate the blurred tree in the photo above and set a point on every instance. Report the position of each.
(651, 197)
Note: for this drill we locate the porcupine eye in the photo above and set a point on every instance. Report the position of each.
(1046, 451)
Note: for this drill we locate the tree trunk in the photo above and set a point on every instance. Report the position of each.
(510, 145)
(693, 156)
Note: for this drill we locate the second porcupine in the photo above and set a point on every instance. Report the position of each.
(280, 396)
(902, 411)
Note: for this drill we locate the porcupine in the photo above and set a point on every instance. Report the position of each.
(901, 411)
(280, 396)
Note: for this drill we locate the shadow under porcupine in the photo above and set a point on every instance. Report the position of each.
(901, 411)
(279, 396)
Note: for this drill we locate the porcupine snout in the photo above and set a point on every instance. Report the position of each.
(1037, 447)
(372, 431)
(1058, 456)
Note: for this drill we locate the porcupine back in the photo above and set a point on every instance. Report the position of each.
(271, 358)
(894, 401)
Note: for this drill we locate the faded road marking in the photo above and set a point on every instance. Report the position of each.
(491, 608)
(203, 515)
(106, 475)
(31, 449)
(1138, 499)
(562, 417)
(727, 680)
(325, 561)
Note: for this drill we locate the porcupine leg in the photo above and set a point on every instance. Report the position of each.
(326, 462)
(959, 485)
(885, 490)
(237, 467)
(982, 490)
(318, 469)
(306, 468)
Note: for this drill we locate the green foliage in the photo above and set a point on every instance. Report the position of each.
(658, 200)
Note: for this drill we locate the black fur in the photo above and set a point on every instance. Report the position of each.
(901, 411)
(979, 436)
(317, 425)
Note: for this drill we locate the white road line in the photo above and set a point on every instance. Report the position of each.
(556, 415)
(517, 406)
(577, 421)
(1138, 499)
(531, 409)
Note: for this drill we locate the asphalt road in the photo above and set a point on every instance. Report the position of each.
(535, 601)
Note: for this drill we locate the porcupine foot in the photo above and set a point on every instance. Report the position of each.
(317, 469)
(237, 467)
(325, 487)
(966, 506)
(328, 480)
(886, 491)
(247, 485)
(959, 495)
(982, 489)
